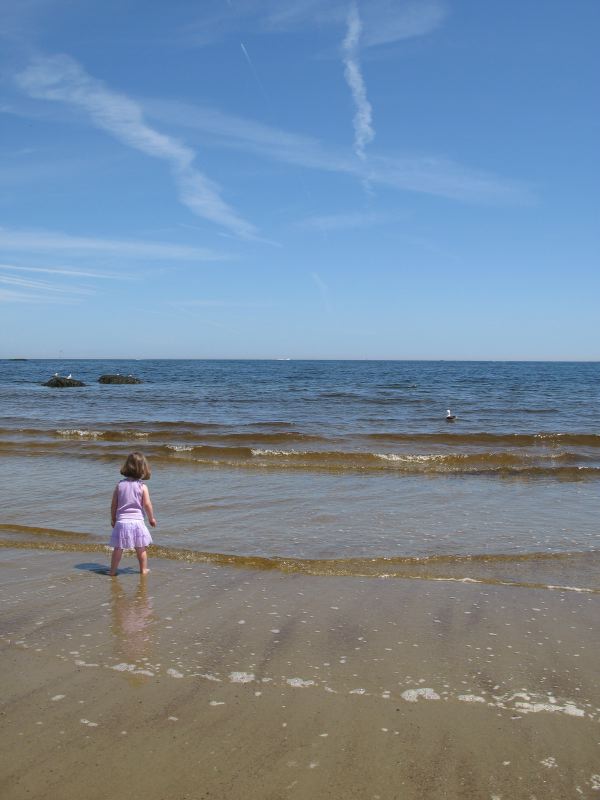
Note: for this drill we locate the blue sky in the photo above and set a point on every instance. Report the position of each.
(299, 178)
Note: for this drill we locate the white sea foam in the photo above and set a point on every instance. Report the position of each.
(241, 677)
(412, 695)
(258, 451)
(549, 762)
(209, 676)
(526, 704)
(174, 673)
(299, 682)
(123, 667)
(80, 433)
(471, 698)
(413, 459)
(179, 448)
(534, 708)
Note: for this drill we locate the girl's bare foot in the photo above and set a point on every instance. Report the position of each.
(144, 571)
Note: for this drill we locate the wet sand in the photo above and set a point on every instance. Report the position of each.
(205, 681)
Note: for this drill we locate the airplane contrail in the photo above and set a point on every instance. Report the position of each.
(255, 74)
(363, 117)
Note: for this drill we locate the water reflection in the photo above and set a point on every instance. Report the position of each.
(132, 620)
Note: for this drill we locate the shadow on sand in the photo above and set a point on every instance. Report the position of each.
(102, 569)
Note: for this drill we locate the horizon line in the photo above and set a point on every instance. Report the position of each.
(308, 358)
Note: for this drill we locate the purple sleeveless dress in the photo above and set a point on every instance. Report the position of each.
(130, 529)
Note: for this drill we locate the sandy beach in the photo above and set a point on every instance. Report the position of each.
(205, 681)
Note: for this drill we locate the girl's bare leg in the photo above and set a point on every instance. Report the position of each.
(115, 560)
(142, 556)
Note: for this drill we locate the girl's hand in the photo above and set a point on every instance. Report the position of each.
(148, 506)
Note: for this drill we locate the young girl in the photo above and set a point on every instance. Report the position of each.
(130, 499)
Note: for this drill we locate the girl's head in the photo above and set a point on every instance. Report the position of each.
(136, 467)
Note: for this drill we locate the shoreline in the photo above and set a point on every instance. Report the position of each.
(556, 571)
(259, 684)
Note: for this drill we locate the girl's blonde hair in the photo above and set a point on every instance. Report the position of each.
(136, 467)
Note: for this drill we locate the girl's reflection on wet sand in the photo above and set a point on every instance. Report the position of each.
(131, 626)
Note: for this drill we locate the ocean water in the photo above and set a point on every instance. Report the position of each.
(318, 466)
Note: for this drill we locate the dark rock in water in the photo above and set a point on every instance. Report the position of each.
(118, 379)
(59, 382)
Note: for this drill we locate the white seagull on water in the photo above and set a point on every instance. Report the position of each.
(450, 417)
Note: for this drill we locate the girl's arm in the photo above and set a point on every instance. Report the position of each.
(113, 509)
(148, 506)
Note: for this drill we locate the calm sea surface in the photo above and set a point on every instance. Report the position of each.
(320, 466)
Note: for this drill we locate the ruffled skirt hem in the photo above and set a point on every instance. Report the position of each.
(130, 534)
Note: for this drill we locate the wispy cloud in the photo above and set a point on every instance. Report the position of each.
(384, 21)
(43, 286)
(388, 21)
(228, 130)
(363, 117)
(60, 78)
(62, 286)
(432, 175)
(294, 12)
(446, 178)
(65, 272)
(11, 296)
(24, 291)
(34, 241)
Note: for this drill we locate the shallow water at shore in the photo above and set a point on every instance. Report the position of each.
(454, 528)
(329, 468)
